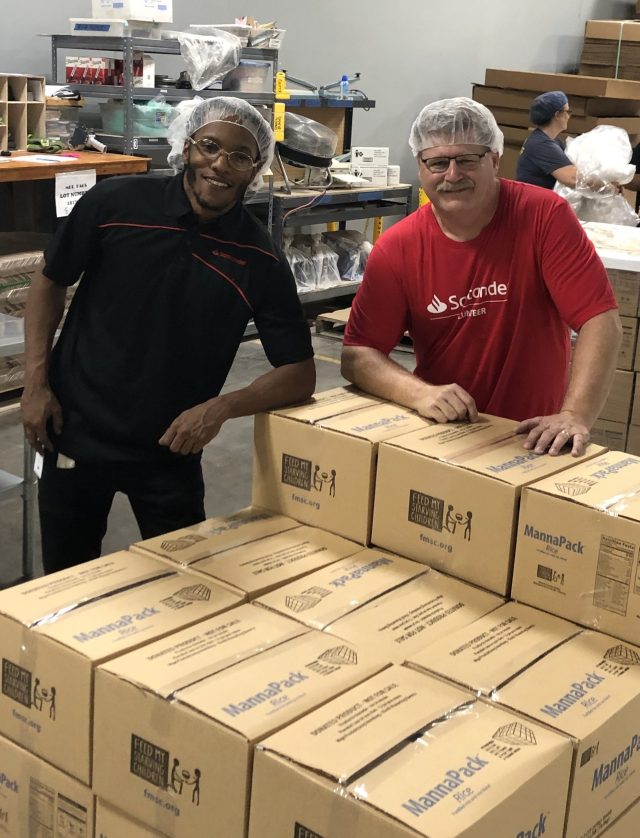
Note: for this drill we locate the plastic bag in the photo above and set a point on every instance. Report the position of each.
(601, 158)
(300, 264)
(209, 57)
(352, 250)
(325, 262)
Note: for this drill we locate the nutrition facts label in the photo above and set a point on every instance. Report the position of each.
(614, 574)
(52, 815)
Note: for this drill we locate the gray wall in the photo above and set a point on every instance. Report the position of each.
(427, 51)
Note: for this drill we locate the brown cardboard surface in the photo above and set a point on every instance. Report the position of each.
(486, 654)
(626, 287)
(633, 440)
(322, 597)
(36, 798)
(448, 496)
(627, 353)
(589, 688)
(212, 723)
(612, 435)
(475, 772)
(617, 30)
(635, 408)
(570, 84)
(417, 615)
(215, 535)
(271, 562)
(627, 825)
(509, 161)
(579, 124)
(47, 670)
(579, 105)
(112, 823)
(577, 546)
(320, 470)
(617, 408)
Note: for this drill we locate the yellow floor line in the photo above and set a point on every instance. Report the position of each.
(326, 358)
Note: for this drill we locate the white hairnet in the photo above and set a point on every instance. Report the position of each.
(192, 114)
(458, 121)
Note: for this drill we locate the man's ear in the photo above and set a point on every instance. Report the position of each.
(185, 151)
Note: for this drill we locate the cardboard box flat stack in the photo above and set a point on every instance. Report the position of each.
(36, 798)
(589, 689)
(578, 543)
(611, 49)
(176, 729)
(316, 462)
(54, 631)
(593, 102)
(404, 755)
(448, 496)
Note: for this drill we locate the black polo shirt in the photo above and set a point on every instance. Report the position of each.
(539, 157)
(157, 319)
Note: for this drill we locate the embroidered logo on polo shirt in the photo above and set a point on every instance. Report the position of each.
(228, 256)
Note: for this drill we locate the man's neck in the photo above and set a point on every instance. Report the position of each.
(463, 228)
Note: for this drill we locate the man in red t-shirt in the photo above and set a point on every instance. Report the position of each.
(488, 279)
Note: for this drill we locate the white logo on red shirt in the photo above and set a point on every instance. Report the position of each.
(494, 292)
(436, 306)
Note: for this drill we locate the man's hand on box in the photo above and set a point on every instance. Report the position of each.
(553, 433)
(446, 403)
(194, 428)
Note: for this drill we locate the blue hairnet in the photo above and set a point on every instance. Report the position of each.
(544, 107)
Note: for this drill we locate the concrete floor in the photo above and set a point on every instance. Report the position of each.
(226, 460)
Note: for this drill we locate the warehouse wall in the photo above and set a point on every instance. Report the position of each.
(428, 50)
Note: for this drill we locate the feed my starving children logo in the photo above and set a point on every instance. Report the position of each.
(303, 474)
(19, 685)
(155, 765)
(435, 514)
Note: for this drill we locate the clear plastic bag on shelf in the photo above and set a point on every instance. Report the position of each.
(601, 158)
(325, 262)
(300, 264)
(353, 250)
(209, 57)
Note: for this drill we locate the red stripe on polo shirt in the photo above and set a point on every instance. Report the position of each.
(224, 276)
(244, 246)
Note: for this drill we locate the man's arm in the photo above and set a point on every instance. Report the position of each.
(375, 373)
(592, 368)
(194, 428)
(45, 307)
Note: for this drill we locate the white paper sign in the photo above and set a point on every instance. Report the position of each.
(70, 186)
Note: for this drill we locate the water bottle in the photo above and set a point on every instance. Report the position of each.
(344, 87)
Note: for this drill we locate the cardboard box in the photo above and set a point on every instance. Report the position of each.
(579, 105)
(626, 287)
(635, 410)
(317, 462)
(159, 11)
(259, 567)
(514, 136)
(37, 798)
(370, 156)
(570, 84)
(627, 357)
(579, 124)
(617, 30)
(627, 825)
(485, 655)
(633, 440)
(323, 597)
(215, 535)
(112, 823)
(357, 768)
(54, 631)
(617, 408)
(375, 175)
(589, 688)
(414, 616)
(203, 727)
(577, 546)
(448, 496)
(509, 161)
(612, 435)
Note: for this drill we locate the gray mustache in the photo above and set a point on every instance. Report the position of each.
(458, 186)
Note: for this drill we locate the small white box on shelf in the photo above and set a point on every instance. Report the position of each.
(374, 175)
(370, 155)
(160, 11)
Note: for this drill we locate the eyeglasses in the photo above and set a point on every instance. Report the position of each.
(238, 160)
(465, 162)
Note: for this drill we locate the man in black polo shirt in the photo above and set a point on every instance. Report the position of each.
(172, 269)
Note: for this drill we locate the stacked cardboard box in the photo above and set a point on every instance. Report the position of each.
(617, 426)
(611, 49)
(593, 102)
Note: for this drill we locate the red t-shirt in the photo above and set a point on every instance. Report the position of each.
(491, 314)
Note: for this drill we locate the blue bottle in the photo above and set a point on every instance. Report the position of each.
(344, 87)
